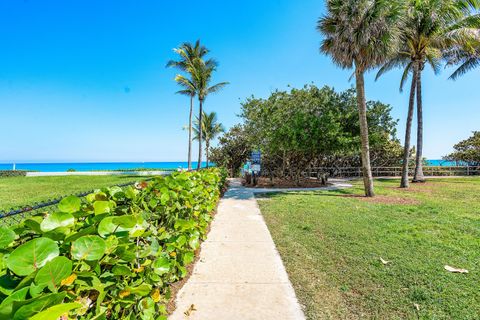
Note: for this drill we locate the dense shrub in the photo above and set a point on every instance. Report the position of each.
(112, 255)
(12, 173)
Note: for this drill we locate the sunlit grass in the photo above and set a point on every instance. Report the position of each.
(332, 242)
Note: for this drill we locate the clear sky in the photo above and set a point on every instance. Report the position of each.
(85, 80)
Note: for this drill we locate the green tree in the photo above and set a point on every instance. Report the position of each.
(360, 34)
(433, 30)
(318, 127)
(233, 149)
(467, 151)
(202, 76)
(211, 128)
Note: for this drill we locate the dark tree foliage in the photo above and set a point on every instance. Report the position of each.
(233, 150)
(467, 151)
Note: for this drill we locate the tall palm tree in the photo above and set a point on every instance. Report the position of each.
(360, 34)
(190, 91)
(211, 128)
(188, 53)
(202, 76)
(432, 29)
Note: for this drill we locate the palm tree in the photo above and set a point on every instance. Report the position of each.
(432, 29)
(189, 90)
(468, 58)
(210, 130)
(202, 75)
(188, 53)
(360, 34)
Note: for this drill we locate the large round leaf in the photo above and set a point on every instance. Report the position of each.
(102, 207)
(54, 272)
(57, 220)
(36, 305)
(70, 204)
(88, 248)
(32, 255)
(161, 265)
(56, 312)
(109, 226)
(6, 237)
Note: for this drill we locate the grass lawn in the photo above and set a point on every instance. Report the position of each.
(17, 191)
(332, 242)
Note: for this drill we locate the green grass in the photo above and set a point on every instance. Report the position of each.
(331, 244)
(18, 191)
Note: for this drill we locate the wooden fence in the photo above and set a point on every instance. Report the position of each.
(348, 172)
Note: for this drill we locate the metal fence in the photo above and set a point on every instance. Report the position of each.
(350, 172)
(17, 215)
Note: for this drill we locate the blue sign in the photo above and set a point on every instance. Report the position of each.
(256, 157)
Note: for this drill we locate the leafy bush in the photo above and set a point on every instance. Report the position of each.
(112, 255)
(12, 173)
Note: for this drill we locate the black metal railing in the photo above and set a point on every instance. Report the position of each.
(350, 172)
(17, 215)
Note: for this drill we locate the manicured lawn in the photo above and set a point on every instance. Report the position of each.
(17, 191)
(332, 242)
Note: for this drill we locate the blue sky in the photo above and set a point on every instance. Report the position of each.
(86, 80)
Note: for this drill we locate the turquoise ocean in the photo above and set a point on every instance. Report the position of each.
(95, 166)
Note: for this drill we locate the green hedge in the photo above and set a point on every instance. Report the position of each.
(112, 255)
(12, 173)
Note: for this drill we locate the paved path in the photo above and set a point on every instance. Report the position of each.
(240, 274)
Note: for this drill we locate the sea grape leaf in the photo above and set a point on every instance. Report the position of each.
(56, 311)
(6, 306)
(108, 226)
(32, 255)
(126, 221)
(161, 265)
(141, 290)
(120, 270)
(57, 220)
(70, 204)
(101, 207)
(54, 272)
(86, 231)
(34, 224)
(188, 257)
(35, 290)
(7, 236)
(88, 248)
(28, 308)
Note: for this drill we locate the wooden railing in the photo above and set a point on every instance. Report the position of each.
(347, 172)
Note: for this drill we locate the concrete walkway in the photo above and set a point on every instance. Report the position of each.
(240, 274)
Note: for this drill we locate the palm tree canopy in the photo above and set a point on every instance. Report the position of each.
(466, 58)
(189, 53)
(189, 88)
(433, 31)
(201, 73)
(211, 128)
(360, 33)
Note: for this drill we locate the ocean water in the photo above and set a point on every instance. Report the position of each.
(95, 166)
(444, 163)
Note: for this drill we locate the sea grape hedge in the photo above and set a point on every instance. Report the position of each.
(12, 173)
(111, 255)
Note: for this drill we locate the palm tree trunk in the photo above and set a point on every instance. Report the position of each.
(362, 113)
(200, 135)
(418, 176)
(207, 146)
(408, 130)
(190, 135)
